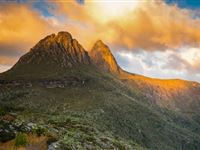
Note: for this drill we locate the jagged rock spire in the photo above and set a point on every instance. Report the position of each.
(103, 58)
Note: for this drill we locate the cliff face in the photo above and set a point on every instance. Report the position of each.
(103, 58)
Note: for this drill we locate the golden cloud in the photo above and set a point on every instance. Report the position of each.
(149, 25)
(21, 27)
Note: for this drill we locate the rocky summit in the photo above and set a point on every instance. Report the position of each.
(61, 50)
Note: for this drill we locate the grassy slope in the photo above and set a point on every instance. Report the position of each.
(108, 105)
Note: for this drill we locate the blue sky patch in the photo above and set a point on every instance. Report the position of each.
(44, 8)
(80, 1)
(189, 4)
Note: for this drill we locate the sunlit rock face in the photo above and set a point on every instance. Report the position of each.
(103, 58)
(60, 49)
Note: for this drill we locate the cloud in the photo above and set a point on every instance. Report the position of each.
(149, 25)
(183, 63)
(185, 59)
(126, 61)
(21, 28)
(132, 25)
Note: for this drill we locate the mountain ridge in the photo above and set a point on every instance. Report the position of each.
(150, 113)
(55, 55)
(100, 55)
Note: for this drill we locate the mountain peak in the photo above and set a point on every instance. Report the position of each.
(103, 58)
(59, 50)
(99, 42)
(101, 46)
(61, 39)
(64, 34)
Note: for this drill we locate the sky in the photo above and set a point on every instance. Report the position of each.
(155, 38)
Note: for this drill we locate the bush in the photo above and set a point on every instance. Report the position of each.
(39, 130)
(2, 111)
(21, 140)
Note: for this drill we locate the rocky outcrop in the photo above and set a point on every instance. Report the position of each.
(48, 83)
(103, 58)
(62, 83)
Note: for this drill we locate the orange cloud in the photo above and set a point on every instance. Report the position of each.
(149, 25)
(21, 27)
(6, 60)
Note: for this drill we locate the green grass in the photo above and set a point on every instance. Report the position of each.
(21, 140)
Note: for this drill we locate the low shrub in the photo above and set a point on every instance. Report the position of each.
(39, 130)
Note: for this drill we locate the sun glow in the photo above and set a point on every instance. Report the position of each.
(108, 10)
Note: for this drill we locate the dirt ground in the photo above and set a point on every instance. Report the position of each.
(35, 143)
